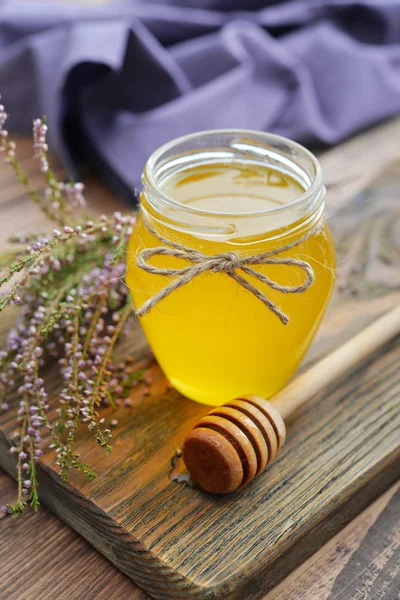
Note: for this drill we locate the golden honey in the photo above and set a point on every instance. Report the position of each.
(214, 339)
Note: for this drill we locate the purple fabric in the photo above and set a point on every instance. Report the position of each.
(117, 81)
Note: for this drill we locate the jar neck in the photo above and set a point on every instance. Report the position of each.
(229, 147)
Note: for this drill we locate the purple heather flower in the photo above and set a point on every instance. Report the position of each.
(3, 119)
(73, 193)
(39, 143)
(55, 264)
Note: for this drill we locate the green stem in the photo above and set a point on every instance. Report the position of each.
(16, 510)
(33, 497)
(23, 179)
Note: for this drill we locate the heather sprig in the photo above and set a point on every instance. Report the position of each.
(73, 309)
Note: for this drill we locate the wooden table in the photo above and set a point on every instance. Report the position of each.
(42, 558)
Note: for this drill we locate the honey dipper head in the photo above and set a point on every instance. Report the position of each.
(233, 444)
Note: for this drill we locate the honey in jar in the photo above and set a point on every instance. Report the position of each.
(242, 193)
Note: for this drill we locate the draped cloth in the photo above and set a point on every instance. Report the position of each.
(118, 80)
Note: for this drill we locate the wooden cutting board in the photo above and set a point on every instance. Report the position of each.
(343, 449)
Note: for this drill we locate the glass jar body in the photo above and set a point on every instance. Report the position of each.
(213, 338)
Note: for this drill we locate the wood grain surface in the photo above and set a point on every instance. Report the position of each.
(362, 562)
(363, 407)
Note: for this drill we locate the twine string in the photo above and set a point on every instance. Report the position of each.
(225, 262)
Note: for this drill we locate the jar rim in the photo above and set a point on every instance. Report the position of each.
(148, 177)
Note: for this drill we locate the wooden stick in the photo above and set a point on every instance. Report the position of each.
(338, 362)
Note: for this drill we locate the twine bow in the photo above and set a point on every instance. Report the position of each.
(226, 262)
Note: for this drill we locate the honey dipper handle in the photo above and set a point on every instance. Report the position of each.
(315, 379)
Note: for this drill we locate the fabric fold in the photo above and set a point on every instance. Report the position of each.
(118, 80)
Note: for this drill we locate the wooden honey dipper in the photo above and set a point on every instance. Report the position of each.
(233, 443)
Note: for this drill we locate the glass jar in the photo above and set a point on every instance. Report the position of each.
(231, 195)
